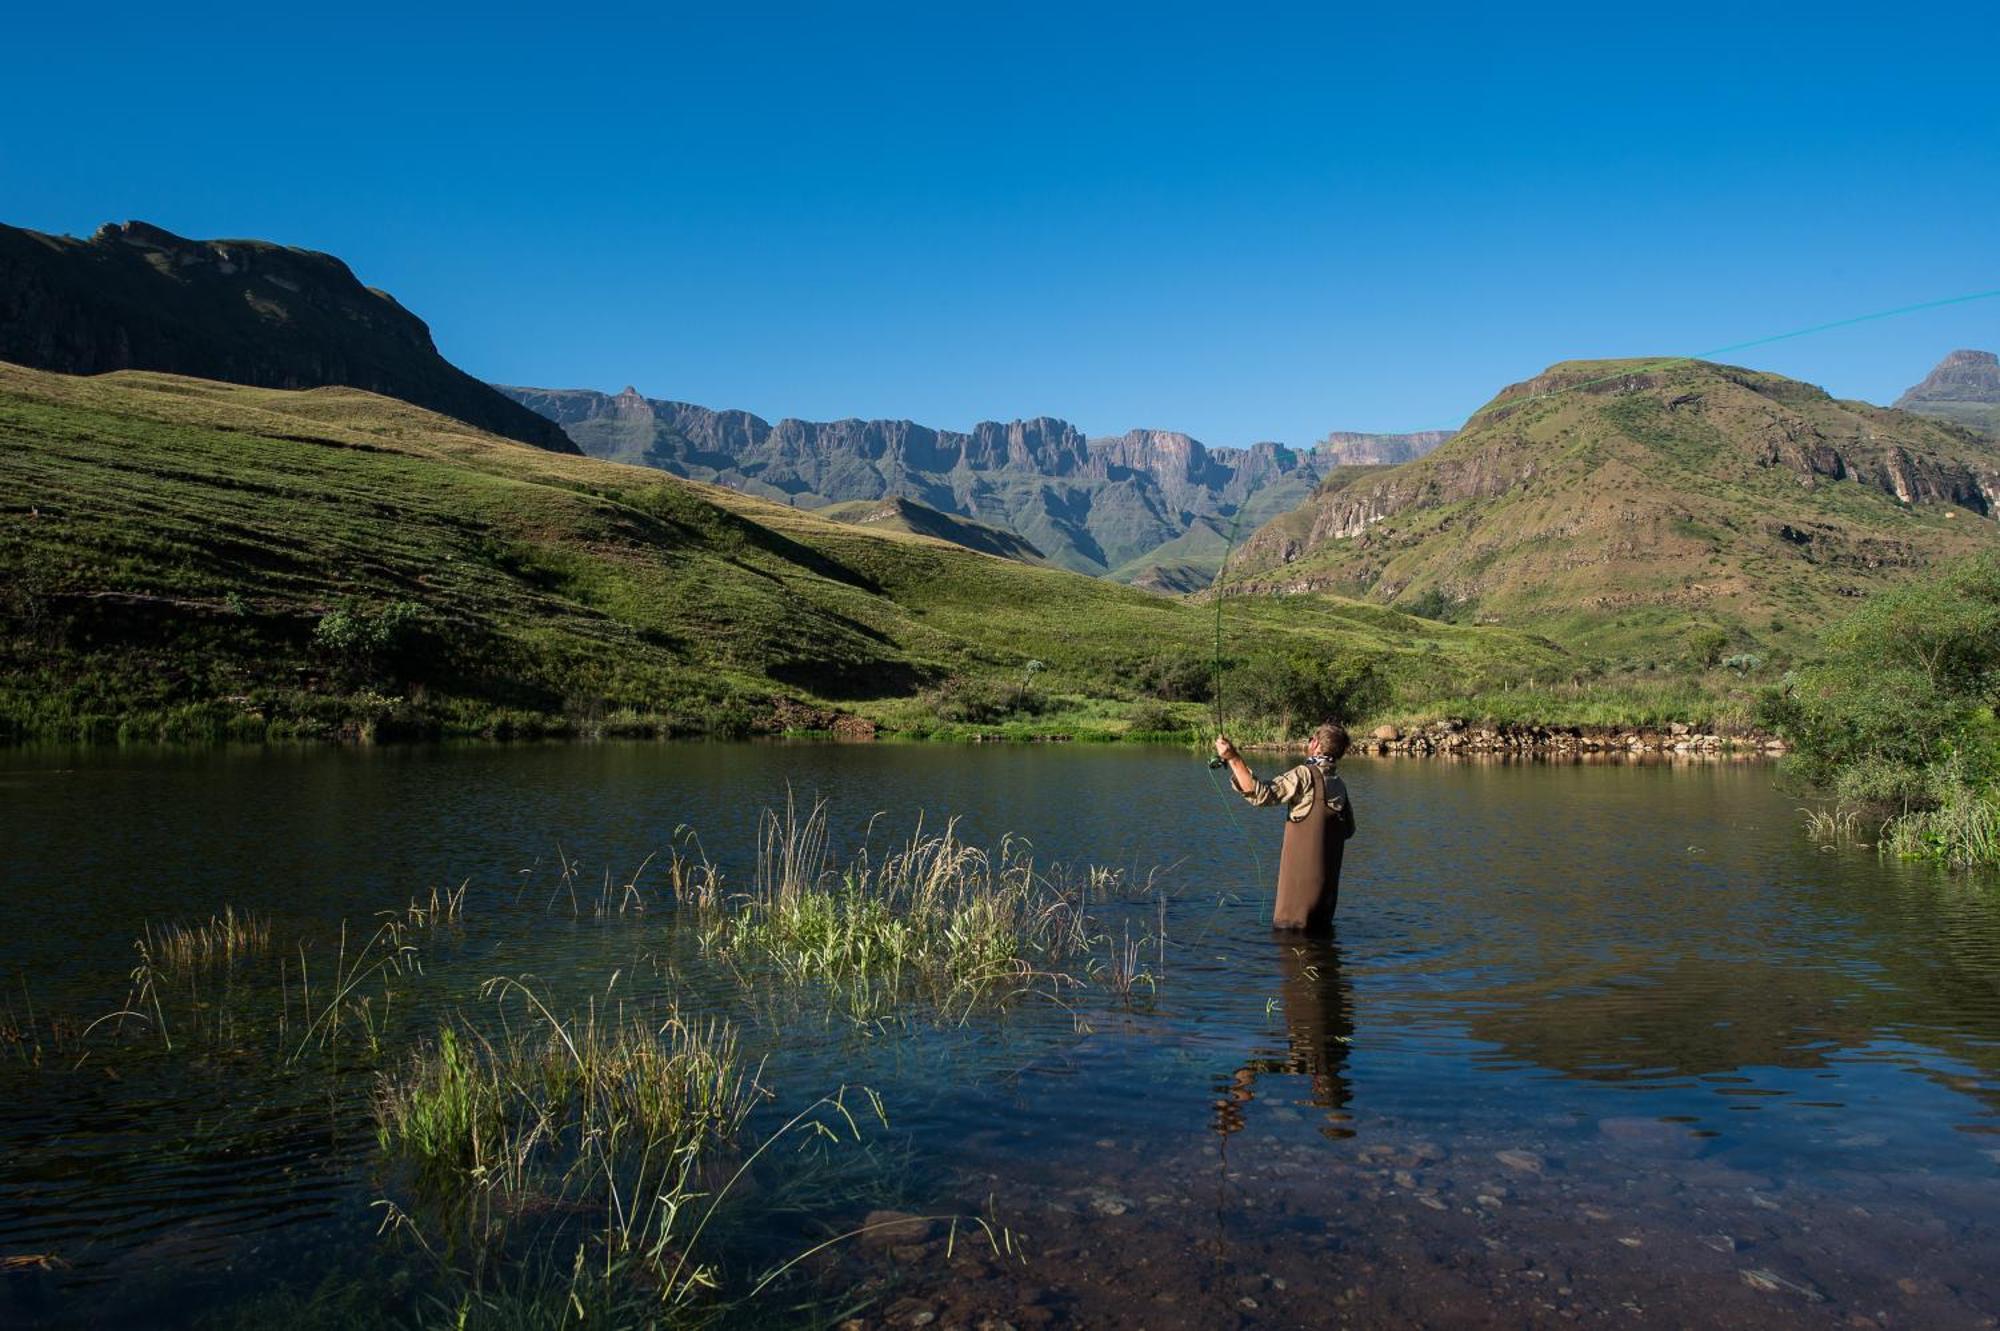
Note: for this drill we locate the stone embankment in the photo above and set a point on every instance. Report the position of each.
(1454, 736)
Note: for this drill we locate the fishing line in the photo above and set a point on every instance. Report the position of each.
(1228, 797)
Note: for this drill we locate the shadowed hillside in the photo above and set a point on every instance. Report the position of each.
(907, 515)
(136, 297)
(1639, 510)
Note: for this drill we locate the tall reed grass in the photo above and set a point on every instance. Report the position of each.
(935, 919)
(1833, 825)
(613, 1135)
(491, 1107)
(1963, 830)
(220, 943)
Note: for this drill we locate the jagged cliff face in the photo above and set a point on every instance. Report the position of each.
(1602, 488)
(135, 296)
(1097, 506)
(1964, 387)
(1342, 448)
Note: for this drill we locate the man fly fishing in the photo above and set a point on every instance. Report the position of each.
(1319, 818)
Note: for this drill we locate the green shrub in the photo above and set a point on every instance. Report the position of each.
(982, 702)
(1433, 603)
(1896, 717)
(1705, 646)
(1302, 688)
(372, 642)
(1150, 718)
(1177, 677)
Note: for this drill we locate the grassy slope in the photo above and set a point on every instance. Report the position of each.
(1623, 522)
(168, 547)
(1981, 416)
(909, 516)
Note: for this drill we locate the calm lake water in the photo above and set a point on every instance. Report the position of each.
(1595, 1044)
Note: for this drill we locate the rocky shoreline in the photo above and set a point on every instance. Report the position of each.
(1452, 736)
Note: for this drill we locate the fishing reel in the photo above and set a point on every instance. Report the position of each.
(1215, 764)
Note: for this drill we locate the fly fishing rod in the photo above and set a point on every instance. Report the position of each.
(1215, 591)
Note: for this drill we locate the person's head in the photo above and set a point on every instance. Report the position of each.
(1329, 741)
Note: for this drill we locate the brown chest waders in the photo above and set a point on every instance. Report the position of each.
(1309, 867)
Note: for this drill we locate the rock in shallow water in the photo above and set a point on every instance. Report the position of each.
(1769, 1281)
(884, 1228)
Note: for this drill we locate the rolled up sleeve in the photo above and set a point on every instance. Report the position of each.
(1282, 789)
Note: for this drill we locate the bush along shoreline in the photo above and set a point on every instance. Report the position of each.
(1894, 729)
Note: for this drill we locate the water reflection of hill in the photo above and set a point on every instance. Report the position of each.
(1840, 957)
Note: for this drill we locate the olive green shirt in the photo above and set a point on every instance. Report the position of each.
(1293, 789)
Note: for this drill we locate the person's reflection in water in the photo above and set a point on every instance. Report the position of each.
(1319, 1025)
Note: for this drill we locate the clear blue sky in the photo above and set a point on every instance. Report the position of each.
(1241, 221)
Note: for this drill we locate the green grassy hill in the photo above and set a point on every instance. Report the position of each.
(183, 558)
(1642, 513)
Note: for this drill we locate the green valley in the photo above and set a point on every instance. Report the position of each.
(189, 559)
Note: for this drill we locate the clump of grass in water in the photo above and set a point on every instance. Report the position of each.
(1839, 825)
(175, 949)
(609, 1131)
(443, 909)
(487, 1107)
(1963, 830)
(936, 919)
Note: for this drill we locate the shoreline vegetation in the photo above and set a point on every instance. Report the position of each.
(1894, 728)
(624, 1148)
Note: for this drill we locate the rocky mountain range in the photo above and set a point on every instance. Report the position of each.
(1621, 503)
(137, 297)
(1964, 387)
(1109, 506)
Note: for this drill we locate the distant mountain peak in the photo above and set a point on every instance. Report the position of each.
(1962, 376)
(1964, 388)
